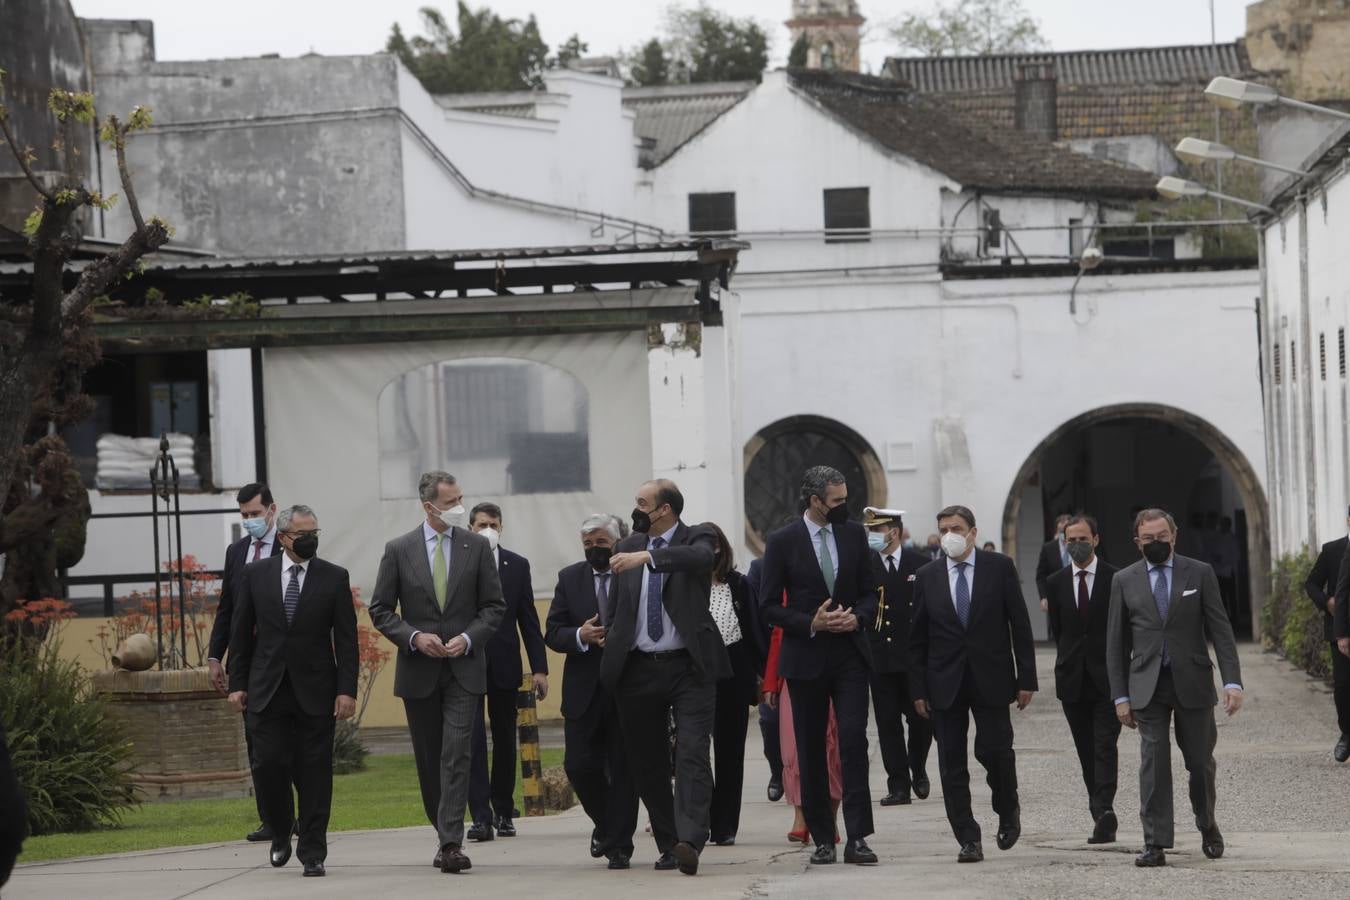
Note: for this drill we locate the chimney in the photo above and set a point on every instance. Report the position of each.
(1036, 95)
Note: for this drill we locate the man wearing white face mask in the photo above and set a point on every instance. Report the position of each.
(489, 795)
(438, 598)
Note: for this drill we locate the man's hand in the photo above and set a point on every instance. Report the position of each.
(842, 621)
(428, 644)
(457, 646)
(1331, 605)
(821, 620)
(921, 707)
(770, 699)
(1024, 699)
(1045, 605)
(622, 562)
(216, 672)
(1126, 715)
(1232, 700)
(592, 632)
(239, 701)
(344, 707)
(1343, 645)
(540, 685)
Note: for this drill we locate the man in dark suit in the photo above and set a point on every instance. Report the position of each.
(663, 653)
(504, 674)
(593, 752)
(971, 655)
(1321, 589)
(1165, 609)
(1341, 627)
(258, 511)
(761, 633)
(906, 768)
(438, 598)
(823, 562)
(14, 824)
(1080, 597)
(1054, 556)
(293, 668)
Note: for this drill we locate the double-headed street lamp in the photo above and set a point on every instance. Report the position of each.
(1174, 188)
(1230, 93)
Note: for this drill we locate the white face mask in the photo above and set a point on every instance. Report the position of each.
(453, 517)
(492, 536)
(954, 544)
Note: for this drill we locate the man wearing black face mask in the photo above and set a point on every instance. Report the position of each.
(1079, 601)
(1163, 608)
(293, 669)
(593, 754)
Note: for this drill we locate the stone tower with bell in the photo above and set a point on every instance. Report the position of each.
(833, 33)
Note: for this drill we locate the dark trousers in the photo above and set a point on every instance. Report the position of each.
(283, 735)
(993, 750)
(890, 700)
(768, 735)
(257, 794)
(650, 688)
(845, 682)
(597, 766)
(1095, 729)
(14, 821)
(1196, 736)
(494, 794)
(441, 726)
(1340, 679)
(731, 720)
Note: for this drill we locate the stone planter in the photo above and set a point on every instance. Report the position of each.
(187, 741)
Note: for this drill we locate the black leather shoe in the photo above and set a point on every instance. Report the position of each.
(896, 798)
(505, 828)
(618, 860)
(686, 854)
(479, 831)
(1009, 831)
(921, 787)
(970, 852)
(597, 848)
(1342, 751)
(259, 834)
(665, 862)
(728, 840)
(824, 855)
(1152, 857)
(314, 870)
(438, 860)
(453, 860)
(1211, 842)
(858, 853)
(1105, 831)
(775, 790)
(281, 851)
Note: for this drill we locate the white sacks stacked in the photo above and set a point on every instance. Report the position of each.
(125, 462)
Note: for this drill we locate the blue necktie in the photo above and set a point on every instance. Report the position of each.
(962, 594)
(1162, 597)
(292, 598)
(655, 629)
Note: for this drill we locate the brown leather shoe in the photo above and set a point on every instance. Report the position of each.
(454, 860)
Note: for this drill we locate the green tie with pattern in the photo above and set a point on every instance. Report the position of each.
(438, 574)
(826, 560)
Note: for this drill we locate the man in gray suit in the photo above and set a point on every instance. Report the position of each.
(439, 599)
(1163, 608)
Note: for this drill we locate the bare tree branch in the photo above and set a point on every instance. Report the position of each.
(123, 173)
(102, 272)
(21, 156)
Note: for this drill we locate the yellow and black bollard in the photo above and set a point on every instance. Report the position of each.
(531, 768)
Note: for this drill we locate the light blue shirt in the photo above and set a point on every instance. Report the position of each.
(815, 531)
(670, 638)
(429, 536)
(970, 575)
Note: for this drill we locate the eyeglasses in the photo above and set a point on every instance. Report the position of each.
(1149, 539)
(299, 534)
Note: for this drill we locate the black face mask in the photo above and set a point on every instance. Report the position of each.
(1079, 551)
(642, 522)
(837, 515)
(305, 546)
(1157, 552)
(598, 557)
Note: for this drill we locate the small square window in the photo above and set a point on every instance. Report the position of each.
(848, 215)
(712, 213)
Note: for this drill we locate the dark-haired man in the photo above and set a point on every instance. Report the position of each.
(1080, 599)
(971, 655)
(258, 512)
(1321, 589)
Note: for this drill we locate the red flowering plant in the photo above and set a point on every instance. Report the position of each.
(349, 753)
(40, 620)
(186, 638)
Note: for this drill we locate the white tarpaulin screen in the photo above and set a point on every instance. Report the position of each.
(552, 428)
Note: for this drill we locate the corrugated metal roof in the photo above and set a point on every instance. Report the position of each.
(1195, 63)
(669, 117)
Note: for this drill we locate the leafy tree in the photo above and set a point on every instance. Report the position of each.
(970, 28)
(797, 55)
(700, 44)
(650, 67)
(484, 52)
(573, 49)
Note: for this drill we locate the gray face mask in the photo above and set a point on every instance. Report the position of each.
(1079, 551)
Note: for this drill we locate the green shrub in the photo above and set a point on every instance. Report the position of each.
(349, 752)
(1290, 624)
(71, 760)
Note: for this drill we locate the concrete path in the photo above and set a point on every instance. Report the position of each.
(1284, 807)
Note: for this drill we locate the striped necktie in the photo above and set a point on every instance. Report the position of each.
(292, 598)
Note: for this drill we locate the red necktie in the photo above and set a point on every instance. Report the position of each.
(1082, 591)
(257, 550)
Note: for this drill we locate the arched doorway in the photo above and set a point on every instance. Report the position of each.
(1113, 460)
(778, 455)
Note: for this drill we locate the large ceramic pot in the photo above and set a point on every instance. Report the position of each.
(135, 654)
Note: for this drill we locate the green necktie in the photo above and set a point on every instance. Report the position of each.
(438, 575)
(826, 560)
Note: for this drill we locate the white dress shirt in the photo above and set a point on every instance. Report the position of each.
(886, 559)
(1091, 570)
(970, 575)
(286, 564)
(670, 638)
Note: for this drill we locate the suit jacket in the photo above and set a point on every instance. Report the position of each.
(747, 662)
(943, 654)
(573, 605)
(1135, 635)
(762, 630)
(1080, 658)
(236, 557)
(404, 602)
(890, 636)
(1050, 561)
(1342, 619)
(1323, 579)
(687, 563)
(503, 650)
(790, 563)
(317, 649)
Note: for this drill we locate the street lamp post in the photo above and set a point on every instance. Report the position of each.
(1174, 188)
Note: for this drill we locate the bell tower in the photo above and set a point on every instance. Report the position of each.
(832, 31)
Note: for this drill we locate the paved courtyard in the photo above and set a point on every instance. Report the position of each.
(1284, 807)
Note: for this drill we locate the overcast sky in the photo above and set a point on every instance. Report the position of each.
(188, 29)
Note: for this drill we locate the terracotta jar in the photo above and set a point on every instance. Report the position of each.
(135, 654)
